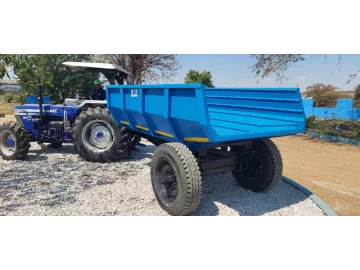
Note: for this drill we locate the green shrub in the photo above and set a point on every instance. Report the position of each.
(310, 121)
(8, 97)
(331, 127)
(20, 99)
(357, 130)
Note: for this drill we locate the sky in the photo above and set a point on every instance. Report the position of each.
(233, 70)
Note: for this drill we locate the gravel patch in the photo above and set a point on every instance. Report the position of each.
(58, 182)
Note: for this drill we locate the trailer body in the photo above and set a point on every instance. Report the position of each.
(201, 117)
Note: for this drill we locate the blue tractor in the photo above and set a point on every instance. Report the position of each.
(85, 123)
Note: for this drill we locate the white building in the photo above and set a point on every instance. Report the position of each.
(11, 86)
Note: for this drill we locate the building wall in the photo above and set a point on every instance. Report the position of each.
(343, 110)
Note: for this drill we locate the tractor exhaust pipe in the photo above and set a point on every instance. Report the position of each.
(40, 99)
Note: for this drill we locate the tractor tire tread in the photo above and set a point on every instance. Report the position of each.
(22, 140)
(111, 155)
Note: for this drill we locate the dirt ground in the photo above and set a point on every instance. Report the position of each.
(330, 170)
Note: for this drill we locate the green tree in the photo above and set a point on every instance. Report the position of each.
(54, 77)
(5, 60)
(143, 67)
(357, 97)
(357, 92)
(324, 95)
(278, 64)
(194, 76)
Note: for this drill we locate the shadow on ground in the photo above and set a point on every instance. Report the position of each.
(323, 141)
(222, 192)
(39, 154)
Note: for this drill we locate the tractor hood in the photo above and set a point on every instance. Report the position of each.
(48, 110)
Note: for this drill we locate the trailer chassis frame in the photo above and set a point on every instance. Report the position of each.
(215, 159)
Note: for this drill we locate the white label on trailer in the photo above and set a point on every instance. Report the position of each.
(134, 93)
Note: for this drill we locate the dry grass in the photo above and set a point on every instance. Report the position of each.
(7, 108)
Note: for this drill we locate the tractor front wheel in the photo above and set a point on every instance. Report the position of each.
(14, 141)
(98, 138)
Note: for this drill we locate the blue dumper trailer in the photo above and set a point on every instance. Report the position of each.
(202, 131)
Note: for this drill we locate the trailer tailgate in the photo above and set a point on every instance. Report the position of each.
(248, 113)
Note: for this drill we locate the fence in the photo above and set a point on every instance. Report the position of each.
(344, 110)
(14, 89)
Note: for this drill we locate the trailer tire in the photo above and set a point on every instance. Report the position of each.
(17, 134)
(271, 168)
(179, 193)
(116, 139)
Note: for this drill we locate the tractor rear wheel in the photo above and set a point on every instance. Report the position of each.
(98, 138)
(14, 141)
(176, 179)
(265, 167)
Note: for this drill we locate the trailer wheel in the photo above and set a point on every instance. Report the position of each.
(14, 141)
(176, 179)
(98, 138)
(265, 167)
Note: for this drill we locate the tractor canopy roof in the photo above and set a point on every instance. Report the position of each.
(97, 67)
(110, 71)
